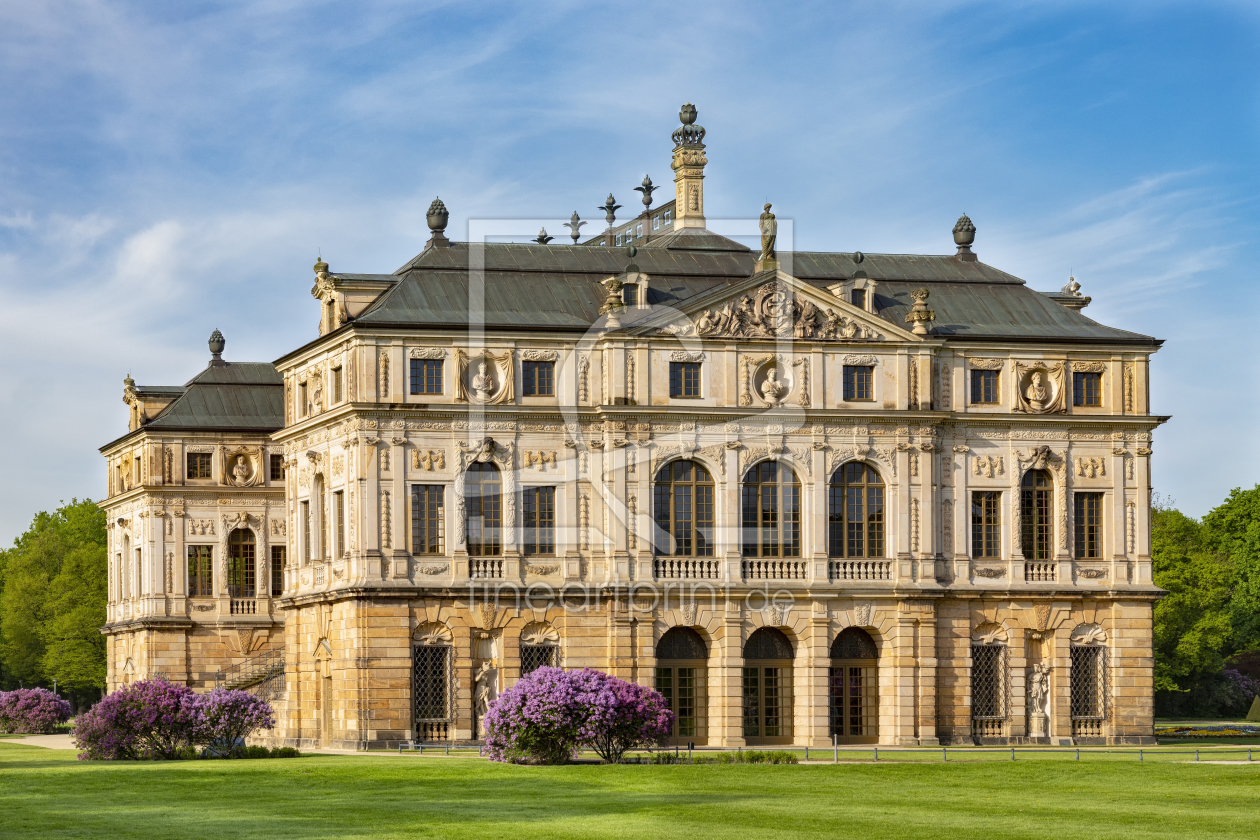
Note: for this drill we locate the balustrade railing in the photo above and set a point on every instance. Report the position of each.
(684, 568)
(860, 569)
(1041, 572)
(252, 671)
(774, 569)
(241, 606)
(485, 568)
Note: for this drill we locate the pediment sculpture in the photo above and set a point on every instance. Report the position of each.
(775, 311)
(484, 378)
(1040, 388)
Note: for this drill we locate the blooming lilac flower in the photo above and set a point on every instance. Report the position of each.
(31, 711)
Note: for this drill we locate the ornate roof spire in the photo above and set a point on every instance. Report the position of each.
(647, 189)
(542, 238)
(688, 165)
(610, 208)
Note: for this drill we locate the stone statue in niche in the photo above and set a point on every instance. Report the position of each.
(1037, 393)
(773, 389)
(240, 472)
(1038, 693)
(1041, 388)
(482, 383)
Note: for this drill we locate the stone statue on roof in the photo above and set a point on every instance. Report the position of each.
(769, 232)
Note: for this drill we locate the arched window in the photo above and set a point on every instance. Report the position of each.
(767, 684)
(855, 515)
(990, 683)
(431, 682)
(682, 660)
(1089, 680)
(772, 511)
(241, 565)
(683, 509)
(854, 686)
(1036, 509)
(484, 501)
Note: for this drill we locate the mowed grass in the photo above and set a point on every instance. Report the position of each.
(47, 793)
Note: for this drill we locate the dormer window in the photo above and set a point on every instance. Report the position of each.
(667, 217)
(858, 298)
(630, 294)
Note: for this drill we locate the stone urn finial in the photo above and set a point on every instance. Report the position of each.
(437, 217)
(964, 236)
(217, 344)
(919, 315)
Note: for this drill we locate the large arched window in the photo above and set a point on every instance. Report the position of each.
(854, 685)
(683, 509)
(990, 681)
(241, 564)
(771, 511)
(855, 515)
(1036, 509)
(483, 497)
(1088, 681)
(767, 684)
(432, 679)
(682, 660)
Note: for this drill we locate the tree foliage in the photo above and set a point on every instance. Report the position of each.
(53, 589)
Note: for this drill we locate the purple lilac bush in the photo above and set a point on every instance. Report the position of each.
(1243, 688)
(156, 719)
(550, 713)
(31, 711)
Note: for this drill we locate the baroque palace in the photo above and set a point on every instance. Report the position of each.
(808, 496)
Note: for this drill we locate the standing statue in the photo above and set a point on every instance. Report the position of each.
(769, 232)
(482, 383)
(1038, 691)
(483, 693)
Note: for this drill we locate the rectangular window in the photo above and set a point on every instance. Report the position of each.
(1089, 689)
(323, 526)
(630, 294)
(277, 468)
(986, 524)
(306, 531)
(857, 383)
(667, 216)
(428, 521)
(1086, 389)
(618, 239)
(540, 379)
(199, 566)
(199, 464)
(426, 376)
(277, 571)
(540, 520)
(339, 512)
(638, 231)
(430, 689)
(1087, 515)
(988, 690)
(857, 297)
(656, 222)
(984, 387)
(336, 384)
(684, 379)
(302, 404)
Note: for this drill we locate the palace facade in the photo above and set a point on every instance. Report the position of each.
(808, 496)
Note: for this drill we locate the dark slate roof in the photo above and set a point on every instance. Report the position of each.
(557, 287)
(239, 395)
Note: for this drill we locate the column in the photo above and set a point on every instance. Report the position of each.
(818, 519)
(962, 508)
(812, 702)
(726, 700)
(729, 529)
(400, 561)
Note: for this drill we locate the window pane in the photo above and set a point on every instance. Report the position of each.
(428, 522)
(1087, 514)
(539, 505)
(277, 571)
(855, 512)
(986, 524)
(277, 468)
(684, 509)
(984, 387)
(1087, 388)
(484, 505)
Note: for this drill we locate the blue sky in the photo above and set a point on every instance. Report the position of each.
(170, 168)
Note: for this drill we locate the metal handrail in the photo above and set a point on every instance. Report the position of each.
(252, 671)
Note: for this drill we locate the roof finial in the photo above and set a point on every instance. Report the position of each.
(574, 225)
(610, 208)
(437, 217)
(216, 349)
(964, 235)
(688, 165)
(647, 189)
(542, 238)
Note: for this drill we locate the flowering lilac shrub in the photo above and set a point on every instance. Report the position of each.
(550, 713)
(228, 717)
(31, 711)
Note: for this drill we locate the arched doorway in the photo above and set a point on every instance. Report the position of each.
(853, 688)
(767, 684)
(682, 674)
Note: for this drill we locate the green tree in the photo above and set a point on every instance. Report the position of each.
(1235, 529)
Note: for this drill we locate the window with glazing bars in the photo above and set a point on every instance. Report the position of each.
(1036, 497)
(539, 379)
(1086, 388)
(277, 468)
(336, 385)
(855, 516)
(323, 522)
(277, 571)
(766, 696)
(306, 531)
(1089, 682)
(684, 379)
(199, 464)
(852, 708)
(428, 522)
(534, 657)
(630, 294)
(484, 505)
(199, 572)
(986, 524)
(241, 564)
(683, 690)
(984, 387)
(683, 509)
(431, 682)
(857, 383)
(1087, 518)
(988, 689)
(339, 521)
(426, 376)
(303, 405)
(771, 512)
(857, 297)
(539, 507)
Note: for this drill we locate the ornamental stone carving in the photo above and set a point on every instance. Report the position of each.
(428, 460)
(684, 356)
(865, 359)
(988, 466)
(774, 311)
(1091, 467)
(427, 353)
(989, 572)
(540, 355)
(1089, 367)
(1040, 388)
(485, 377)
(990, 633)
(986, 364)
(242, 466)
(1088, 634)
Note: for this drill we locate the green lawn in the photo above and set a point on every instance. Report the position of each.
(46, 793)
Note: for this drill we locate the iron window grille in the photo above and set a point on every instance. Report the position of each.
(986, 524)
(684, 379)
(277, 571)
(990, 686)
(428, 521)
(853, 687)
(683, 509)
(1086, 388)
(771, 512)
(855, 516)
(1035, 508)
(426, 376)
(1087, 520)
(534, 657)
(539, 509)
(200, 576)
(484, 505)
(539, 379)
(199, 464)
(277, 468)
(241, 568)
(431, 684)
(984, 387)
(1089, 689)
(857, 383)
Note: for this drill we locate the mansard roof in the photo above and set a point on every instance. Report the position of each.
(556, 287)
